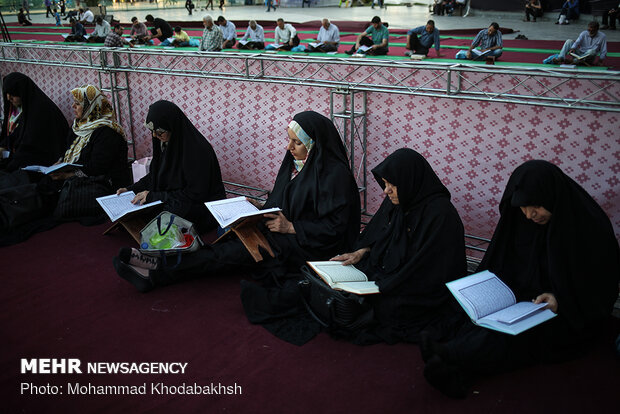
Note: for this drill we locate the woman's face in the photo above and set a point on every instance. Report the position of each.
(538, 214)
(78, 109)
(391, 191)
(14, 100)
(296, 147)
(162, 135)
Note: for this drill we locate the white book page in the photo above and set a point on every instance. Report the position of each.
(336, 272)
(516, 312)
(317, 44)
(38, 168)
(478, 52)
(228, 210)
(519, 326)
(361, 288)
(243, 42)
(116, 206)
(276, 45)
(482, 294)
(364, 48)
(51, 168)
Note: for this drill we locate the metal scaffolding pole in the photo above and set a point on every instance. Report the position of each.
(350, 120)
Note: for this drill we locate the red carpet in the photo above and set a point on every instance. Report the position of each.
(62, 299)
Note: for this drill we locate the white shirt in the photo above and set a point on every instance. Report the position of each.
(332, 34)
(229, 31)
(88, 16)
(285, 35)
(102, 30)
(257, 35)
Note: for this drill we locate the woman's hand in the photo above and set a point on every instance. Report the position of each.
(351, 258)
(277, 223)
(549, 299)
(61, 175)
(121, 191)
(140, 198)
(255, 203)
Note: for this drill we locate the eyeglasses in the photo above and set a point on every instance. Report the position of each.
(159, 132)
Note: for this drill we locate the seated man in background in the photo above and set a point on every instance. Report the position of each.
(138, 32)
(21, 18)
(610, 17)
(86, 17)
(77, 32)
(375, 39)
(229, 32)
(588, 45)
(115, 38)
(327, 39)
(211, 37)
(161, 29)
(254, 37)
(286, 36)
(533, 8)
(102, 28)
(570, 11)
(429, 36)
(489, 43)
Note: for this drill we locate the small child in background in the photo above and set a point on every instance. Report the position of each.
(181, 38)
(57, 17)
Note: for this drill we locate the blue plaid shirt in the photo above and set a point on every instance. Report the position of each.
(485, 41)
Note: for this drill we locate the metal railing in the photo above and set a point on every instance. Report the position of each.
(583, 89)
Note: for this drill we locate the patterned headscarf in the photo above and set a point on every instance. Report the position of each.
(97, 113)
(306, 140)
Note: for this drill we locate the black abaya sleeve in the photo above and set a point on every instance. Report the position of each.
(142, 184)
(106, 154)
(327, 228)
(435, 255)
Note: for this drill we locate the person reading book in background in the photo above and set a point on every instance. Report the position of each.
(412, 246)
(590, 44)
(488, 42)
(553, 244)
(320, 215)
(34, 130)
(184, 172)
(98, 145)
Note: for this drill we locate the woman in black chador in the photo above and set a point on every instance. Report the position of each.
(553, 244)
(184, 171)
(320, 214)
(34, 130)
(413, 245)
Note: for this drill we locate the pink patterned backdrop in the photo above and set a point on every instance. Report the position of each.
(472, 145)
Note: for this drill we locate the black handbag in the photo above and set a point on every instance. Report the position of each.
(78, 197)
(336, 310)
(20, 204)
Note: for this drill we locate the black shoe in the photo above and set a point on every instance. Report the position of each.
(446, 378)
(349, 52)
(139, 278)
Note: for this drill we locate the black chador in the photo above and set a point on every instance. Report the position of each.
(415, 246)
(184, 172)
(573, 256)
(38, 134)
